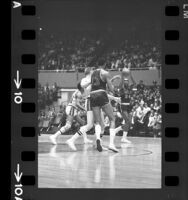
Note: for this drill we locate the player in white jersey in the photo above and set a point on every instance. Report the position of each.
(72, 113)
(86, 85)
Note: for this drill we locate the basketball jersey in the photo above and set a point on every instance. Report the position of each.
(74, 99)
(125, 100)
(125, 97)
(96, 82)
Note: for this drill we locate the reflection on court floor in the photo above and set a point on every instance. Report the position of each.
(137, 165)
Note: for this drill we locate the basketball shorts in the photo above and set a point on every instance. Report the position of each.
(99, 99)
(71, 110)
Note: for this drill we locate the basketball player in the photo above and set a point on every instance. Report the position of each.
(72, 113)
(86, 84)
(124, 106)
(100, 80)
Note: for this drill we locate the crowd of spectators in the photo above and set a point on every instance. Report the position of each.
(145, 113)
(145, 110)
(47, 95)
(74, 52)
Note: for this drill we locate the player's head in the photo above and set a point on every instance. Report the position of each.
(125, 72)
(79, 87)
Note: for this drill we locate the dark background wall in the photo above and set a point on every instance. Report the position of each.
(132, 18)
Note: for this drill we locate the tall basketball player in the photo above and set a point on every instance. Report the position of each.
(100, 80)
(72, 113)
(86, 84)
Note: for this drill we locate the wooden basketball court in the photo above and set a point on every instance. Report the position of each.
(137, 165)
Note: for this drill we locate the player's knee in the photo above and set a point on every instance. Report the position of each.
(67, 126)
(125, 127)
(112, 124)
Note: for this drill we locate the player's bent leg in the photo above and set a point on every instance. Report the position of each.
(79, 120)
(125, 128)
(82, 132)
(87, 127)
(97, 117)
(102, 124)
(62, 130)
(109, 112)
(119, 128)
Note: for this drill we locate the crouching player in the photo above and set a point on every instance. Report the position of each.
(86, 85)
(72, 110)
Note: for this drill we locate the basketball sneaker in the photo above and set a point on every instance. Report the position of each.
(71, 144)
(113, 148)
(99, 147)
(125, 140)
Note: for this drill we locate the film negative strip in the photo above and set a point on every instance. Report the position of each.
(149, 164)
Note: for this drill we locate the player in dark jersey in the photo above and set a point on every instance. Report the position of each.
(86, 84)
(100, 80)
(124, 106)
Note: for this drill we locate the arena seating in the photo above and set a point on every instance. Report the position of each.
(75, 52)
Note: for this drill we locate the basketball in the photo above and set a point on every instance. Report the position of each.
(126, 72)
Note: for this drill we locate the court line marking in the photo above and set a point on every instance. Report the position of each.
(92, 148)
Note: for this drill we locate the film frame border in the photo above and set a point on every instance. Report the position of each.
(174, 82)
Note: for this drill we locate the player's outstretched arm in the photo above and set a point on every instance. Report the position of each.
(117, 99)
(115, 78)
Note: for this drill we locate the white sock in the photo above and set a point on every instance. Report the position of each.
(97, 131)
(125, 134)
(112, 136)
(117, 129)
(74, 137)
(57, 134)
(83, 130)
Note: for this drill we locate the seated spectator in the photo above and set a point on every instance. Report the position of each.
(73, 52)
(141, 85)
(157, 125)
(151, 121)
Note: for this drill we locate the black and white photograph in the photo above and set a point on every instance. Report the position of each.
(99, 94)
